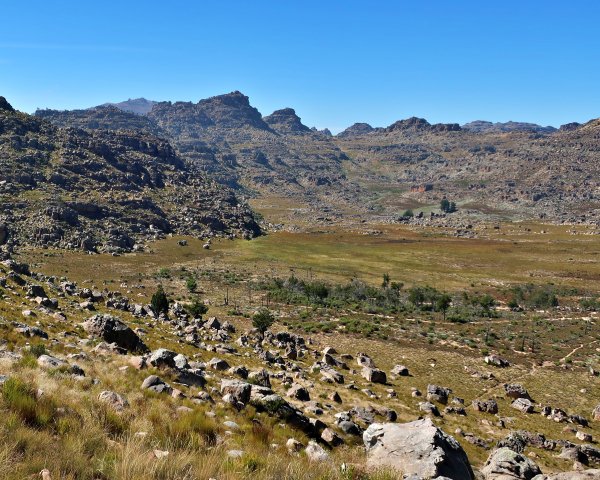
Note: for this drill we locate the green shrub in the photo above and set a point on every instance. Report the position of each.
(191, 284)
(159, 301)
(197, 308)
(37, 350)
(262, 320)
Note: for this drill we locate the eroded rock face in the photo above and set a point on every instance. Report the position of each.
(417, 448)
(506, 464)
(112, 330)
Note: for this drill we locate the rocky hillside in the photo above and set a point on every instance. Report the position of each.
(104, 117)
(276, 154)
(520, 173)
(104, 189)
(508, 170)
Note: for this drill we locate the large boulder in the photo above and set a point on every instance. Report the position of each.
(417, 448)
(374, 375)
(238, 391)
(435, 393)
(516, 390)
(113, 330)
(506, 464)
(162, 358)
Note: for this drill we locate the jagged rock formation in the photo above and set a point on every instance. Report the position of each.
(104, 117)
(108, 190)
(276, 154)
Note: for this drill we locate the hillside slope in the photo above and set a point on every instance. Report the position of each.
(100, 189)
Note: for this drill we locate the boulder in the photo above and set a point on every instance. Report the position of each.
(364, 360)
(238, 391)
(260, 377)
(400, 371)
(162, 358)
(48, 361)
(522, 404)
(316, 453)
(218, 364)
(156, 384)
(488, 406)
(596, 413)
(516, 390)
(113, 399)
(506, 464)
(298, 392)
(496, 361)
(331, 438)
(374, 375)
(417, 448)
(435, 393)
(113, 330)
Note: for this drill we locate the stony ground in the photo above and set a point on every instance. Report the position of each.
(96, 385)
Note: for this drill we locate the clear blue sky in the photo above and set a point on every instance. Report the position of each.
(335, 61)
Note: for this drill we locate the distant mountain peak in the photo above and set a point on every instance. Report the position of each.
(356, 129)
(481, 126)
(286, 120)
(139, 106)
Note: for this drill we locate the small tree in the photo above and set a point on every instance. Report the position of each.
(442, 304)
(386, 280)
(408, 213)
(416, 296)
(447, 206)
(197, 308)
(160, 302)
(262, 320)
(191, 284)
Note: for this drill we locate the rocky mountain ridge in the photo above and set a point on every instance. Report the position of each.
(508, 170)
(107, 190)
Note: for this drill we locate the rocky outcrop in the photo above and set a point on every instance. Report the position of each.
(4, 105)
(286, 121)
(112, 330)
(356, 130)
(506, 464)
(417, 448)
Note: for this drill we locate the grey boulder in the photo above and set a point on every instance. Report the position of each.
(417, 448)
